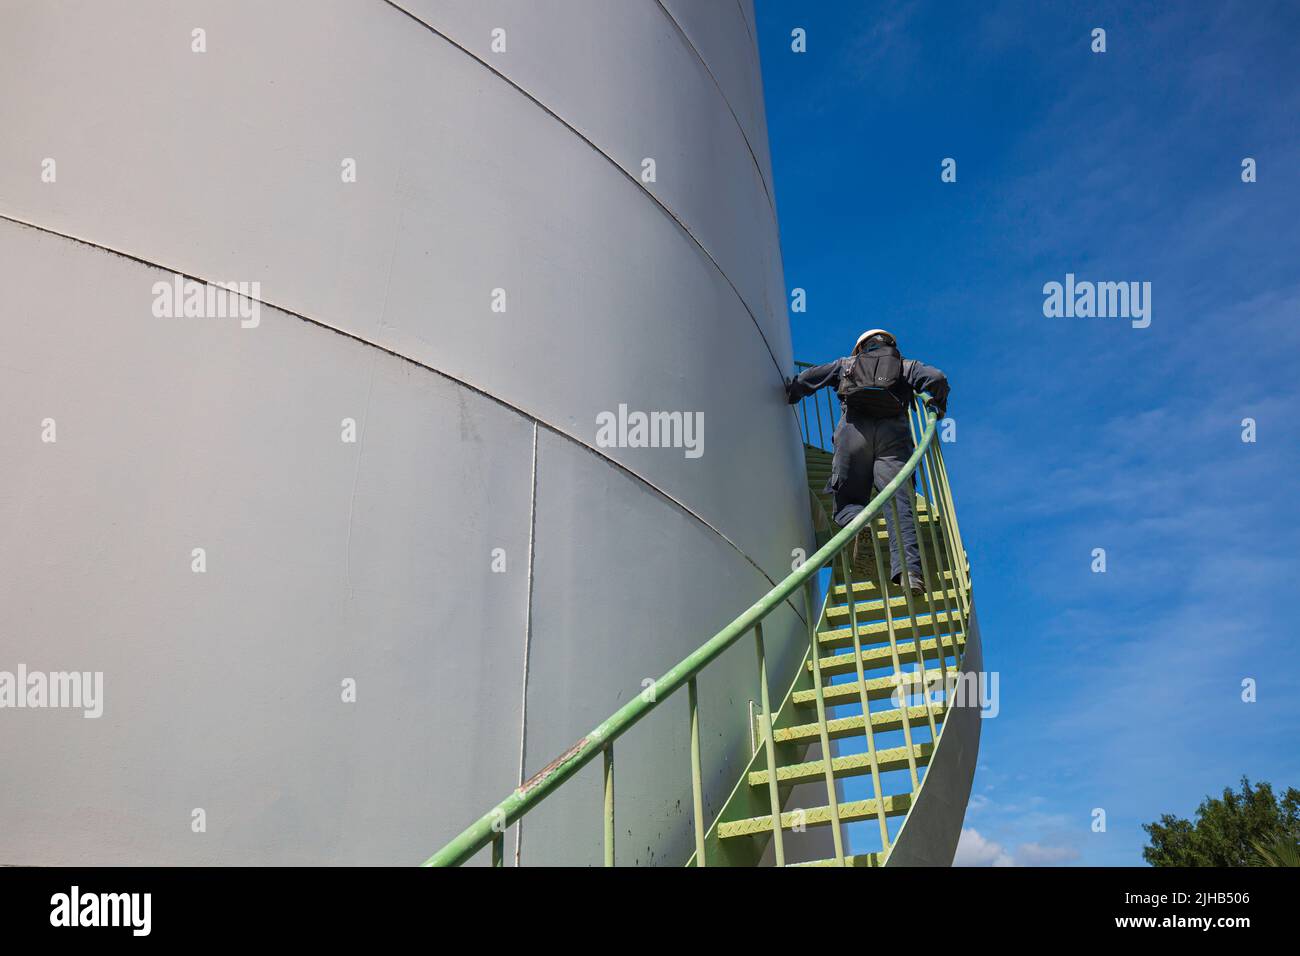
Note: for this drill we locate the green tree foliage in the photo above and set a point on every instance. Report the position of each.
(1282, 850)
(1250, 828)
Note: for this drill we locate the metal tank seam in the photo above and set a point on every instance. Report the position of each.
(528, 636)
(319, 323)
(767, 187)
(756, 55)
(744, 18)
(627, 175)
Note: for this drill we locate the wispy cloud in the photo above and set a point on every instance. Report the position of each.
(1035, 854)
(975, 849)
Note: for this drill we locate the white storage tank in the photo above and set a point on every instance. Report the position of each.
(349, 546)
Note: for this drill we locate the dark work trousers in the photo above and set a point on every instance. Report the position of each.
(869, 452)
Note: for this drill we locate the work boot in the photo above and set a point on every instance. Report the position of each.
(914, 582)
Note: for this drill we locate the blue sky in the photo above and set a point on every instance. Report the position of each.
(1119, 690)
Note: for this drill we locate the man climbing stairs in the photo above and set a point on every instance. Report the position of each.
(867, 758)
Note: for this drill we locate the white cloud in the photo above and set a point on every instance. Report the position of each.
(1035, 854)
(974, 850)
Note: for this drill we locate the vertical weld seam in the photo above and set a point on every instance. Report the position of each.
(528, 635)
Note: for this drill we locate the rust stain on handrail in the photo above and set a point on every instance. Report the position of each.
(551, 767)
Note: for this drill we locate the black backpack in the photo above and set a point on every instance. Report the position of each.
(873, 382)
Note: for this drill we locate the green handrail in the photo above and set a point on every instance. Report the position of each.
(490, 828)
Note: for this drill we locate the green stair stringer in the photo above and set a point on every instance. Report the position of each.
(866, 639)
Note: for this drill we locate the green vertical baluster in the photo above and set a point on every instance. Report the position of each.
(943, 475)
(940, 648)
(609, 804)
(950, 547)
(905, 703)
(951, 623)
(697, 788)
(944, 535)
(833, 801)
(950, 514)
(769, 742)
(934, 507)
(903, 575)
(866, 709)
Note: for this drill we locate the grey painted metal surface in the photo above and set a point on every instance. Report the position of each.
(372, 560)
(932, 828)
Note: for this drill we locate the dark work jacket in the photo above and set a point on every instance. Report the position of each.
(868, 451)
(919, 377)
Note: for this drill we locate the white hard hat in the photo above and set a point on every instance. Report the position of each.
(868, 334)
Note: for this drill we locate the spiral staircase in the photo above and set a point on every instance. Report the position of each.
(867, 758)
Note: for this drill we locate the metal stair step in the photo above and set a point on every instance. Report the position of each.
(872, 588)
(875, 609)
(878, 631)
(849, 765)
(882, 721)
(850, 693)
(883, 656)
(894, 806)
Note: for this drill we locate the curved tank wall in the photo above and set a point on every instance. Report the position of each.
(492, 576)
